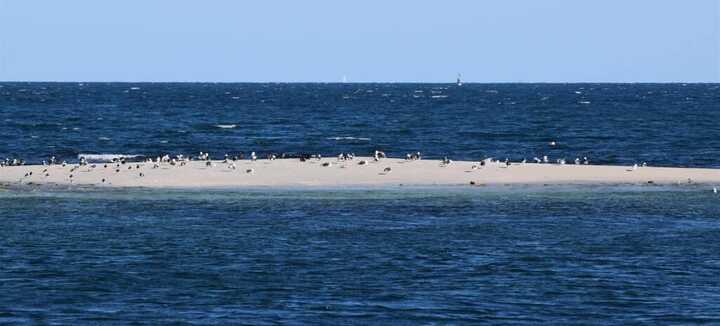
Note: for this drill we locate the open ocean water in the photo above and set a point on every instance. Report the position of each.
(556, 255)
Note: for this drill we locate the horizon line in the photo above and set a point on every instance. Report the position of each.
(355, 82)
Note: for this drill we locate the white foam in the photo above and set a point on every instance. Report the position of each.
(226, 126)
(349, 138)
(105, 157)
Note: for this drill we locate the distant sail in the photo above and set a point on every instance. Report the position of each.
(459, 81)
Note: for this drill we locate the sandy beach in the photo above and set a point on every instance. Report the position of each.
(330, 172)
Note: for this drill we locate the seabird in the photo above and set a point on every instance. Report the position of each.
(378, 155)
(327, 164)
(250, 171)
(387, 170)
(363, 162)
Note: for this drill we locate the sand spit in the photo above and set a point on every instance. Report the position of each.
(330, 172)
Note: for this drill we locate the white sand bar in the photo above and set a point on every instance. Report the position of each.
(293, 172)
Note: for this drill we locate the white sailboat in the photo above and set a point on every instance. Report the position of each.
(459, 81)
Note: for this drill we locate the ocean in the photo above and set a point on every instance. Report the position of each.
(395, 255)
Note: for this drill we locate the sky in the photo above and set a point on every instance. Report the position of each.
(365, 41)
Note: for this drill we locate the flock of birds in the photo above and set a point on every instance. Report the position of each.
(120, 163)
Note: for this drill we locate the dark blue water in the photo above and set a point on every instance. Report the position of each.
(553, 255)
(394, 256)
(662, 124)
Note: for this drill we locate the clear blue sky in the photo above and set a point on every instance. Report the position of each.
(368, 40)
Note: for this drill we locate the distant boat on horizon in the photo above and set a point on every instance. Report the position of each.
(459, 80)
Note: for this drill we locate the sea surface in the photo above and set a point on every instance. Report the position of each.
(626, 254)
(661, 124)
